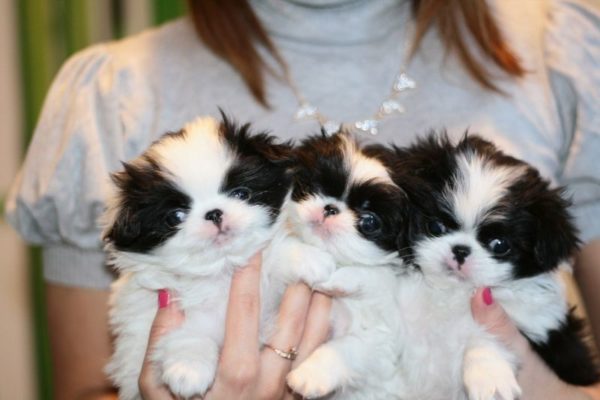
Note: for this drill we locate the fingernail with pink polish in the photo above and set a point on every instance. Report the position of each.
(163, 298)
(488, 299)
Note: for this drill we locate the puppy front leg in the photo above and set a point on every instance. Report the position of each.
(332, 366)
(346, 281)
(187, 362)
(303, 262)
(489, 372)
(126, 363)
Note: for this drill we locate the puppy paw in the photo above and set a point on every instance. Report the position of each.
(310, 382)
(317, 376)
(186, 378)
(345, 281)
(489, 377)
(314, 266)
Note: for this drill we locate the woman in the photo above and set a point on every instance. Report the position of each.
(521, 78)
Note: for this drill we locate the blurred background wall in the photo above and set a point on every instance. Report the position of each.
(16, 336)
(36, 36)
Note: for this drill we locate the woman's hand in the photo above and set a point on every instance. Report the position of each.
(537, 380)
(245, 371)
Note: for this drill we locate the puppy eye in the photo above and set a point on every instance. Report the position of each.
(369, 223)
(240, 193)
(436, 228)
(499, 246)
(176, 217)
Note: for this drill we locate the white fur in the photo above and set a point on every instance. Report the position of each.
(361, 167)
(445, 354)
(335, 234)
(359, 361)
(196, 264)
(479, 186)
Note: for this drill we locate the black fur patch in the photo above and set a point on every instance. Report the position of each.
(322, 170)
(541, 231)
(537, 223)
(320, 167)
(546, 234)
(422, 171)
(262, 166)
(386, 201)
(147, 198)
(533, 218)
(428, 160)
(568, 355)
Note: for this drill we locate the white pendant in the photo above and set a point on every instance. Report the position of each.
(391, 106)
(306, 110)
(404, 82)
(368, 125)
(332, 127)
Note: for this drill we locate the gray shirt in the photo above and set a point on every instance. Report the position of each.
(110, 101)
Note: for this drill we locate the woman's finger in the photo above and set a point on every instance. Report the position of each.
(288, 333)
(316, 330)
(317, 327)
(238, 365)
(487, 312)
(168, 317)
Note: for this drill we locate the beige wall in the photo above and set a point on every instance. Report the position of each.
(17, 369)
(16, 337)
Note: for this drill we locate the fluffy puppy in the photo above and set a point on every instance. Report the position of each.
(345, 204)
(485, 220)
(185, 214)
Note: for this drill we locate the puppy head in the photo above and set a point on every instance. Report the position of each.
(208, 191)
(345, 202)
(488, 218)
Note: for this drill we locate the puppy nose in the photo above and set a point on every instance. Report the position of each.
(215, 216)
(460, 253)
(329, 210)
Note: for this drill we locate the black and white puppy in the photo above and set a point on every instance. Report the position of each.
(486, 220)
(185, 214)
(345, 203)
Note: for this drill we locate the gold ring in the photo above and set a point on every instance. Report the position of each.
(290, 354)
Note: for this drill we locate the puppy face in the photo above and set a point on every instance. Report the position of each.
(210, 190)
(345, 202)
(486, 218)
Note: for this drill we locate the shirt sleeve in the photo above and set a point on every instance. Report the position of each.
(573, 54)
(59, 192)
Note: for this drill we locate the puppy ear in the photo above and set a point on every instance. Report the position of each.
(125, 230)
(475, 143)
(430, 159)
(135, 219)
(280, 154)
(122, 225)
(261, 144)
(555, 234)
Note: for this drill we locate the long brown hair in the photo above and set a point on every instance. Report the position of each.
(233, 32)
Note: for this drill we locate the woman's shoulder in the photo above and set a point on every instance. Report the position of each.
(533, 28)
(165, 43)
(522, 27)
(572, 54)
(573, 34)
(145, 54)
